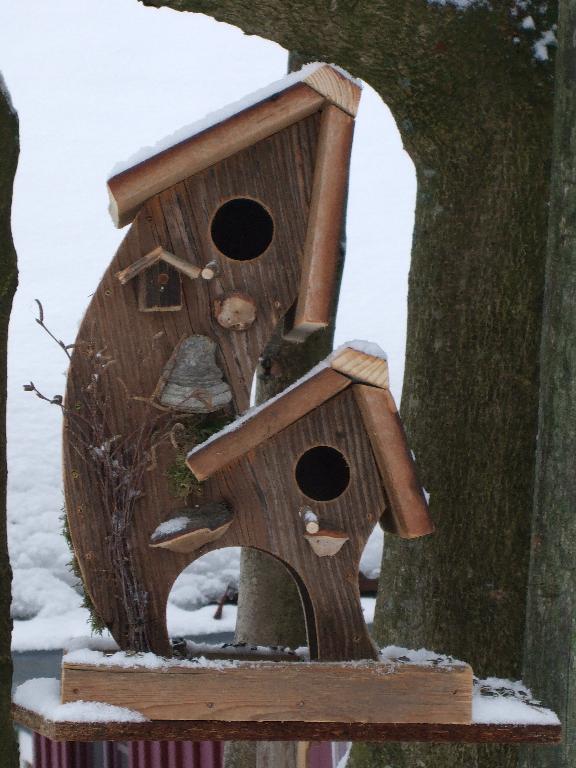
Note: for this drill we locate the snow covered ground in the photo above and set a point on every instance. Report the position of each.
(94, 82)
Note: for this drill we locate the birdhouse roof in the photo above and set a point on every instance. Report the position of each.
(362, 366)
(353, 362)
(224, 133)
(153, 257)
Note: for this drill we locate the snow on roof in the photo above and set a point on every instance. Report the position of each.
(213, 118)
(367, 347)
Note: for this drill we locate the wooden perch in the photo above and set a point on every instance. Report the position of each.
(408, 511)
(321, 257)
(311, 523)
(192, 528)
(362, 367)
(266, 422)
(327, 543)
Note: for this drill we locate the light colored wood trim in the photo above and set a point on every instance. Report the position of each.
(408, 507)
(361, 367)
(336, 88)
(276, 691)
(190, 541)
(294, 404)
(190, 270)
(131, 188)
(158, 254)
(322, 245)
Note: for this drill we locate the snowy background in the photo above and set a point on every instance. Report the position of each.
(92, 83)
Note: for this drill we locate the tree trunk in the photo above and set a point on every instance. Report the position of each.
(8, 281)
(474, 107)
(550, 657)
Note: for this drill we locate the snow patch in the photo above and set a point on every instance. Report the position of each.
(495, 700)
(42, 695)
(462, 5)
(169, 527)
(546, 40)
(214, 118)
(528, 23)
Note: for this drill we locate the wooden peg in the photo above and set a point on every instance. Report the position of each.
(211, 270)
(311, 523)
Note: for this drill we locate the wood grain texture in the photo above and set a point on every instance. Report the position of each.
(376, 692)
(407, 513)
(361, 367)
(336, 88)
(311, 393)
(261, 488)
(128, 351)
(321, 251)
(223, 730)
(131, 189)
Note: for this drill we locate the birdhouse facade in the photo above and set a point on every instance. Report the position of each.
(229, 230)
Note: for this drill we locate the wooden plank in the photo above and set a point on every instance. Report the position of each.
(336, 88)
(409, 516)
(207, 459)
(362, 367)
(219, 730)
(322, 247)
(374, 692)
(130, 189)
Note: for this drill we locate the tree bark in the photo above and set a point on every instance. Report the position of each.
(8, 281)
(550, 657)
(474, 108)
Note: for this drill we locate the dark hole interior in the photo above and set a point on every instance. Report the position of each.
(322, 473)
(242, 229)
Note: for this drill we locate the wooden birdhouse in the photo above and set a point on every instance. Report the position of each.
(232, 228)
(306, 477)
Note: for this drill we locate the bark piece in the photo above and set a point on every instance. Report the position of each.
(236, 311)
(192, 381)
(190, 529)
(374, 692)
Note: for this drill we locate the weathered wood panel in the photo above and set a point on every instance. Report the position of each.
(112, 421)
(224, 730)
(372, 693)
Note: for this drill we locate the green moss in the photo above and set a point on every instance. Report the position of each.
(191, 431)
(96, 624)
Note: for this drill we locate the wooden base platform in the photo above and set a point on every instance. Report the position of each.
(239, 691)
(214, 730)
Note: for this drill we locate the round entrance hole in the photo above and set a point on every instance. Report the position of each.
(242, 229)
(322, 473)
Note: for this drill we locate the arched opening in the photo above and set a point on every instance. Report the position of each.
(203, 601)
